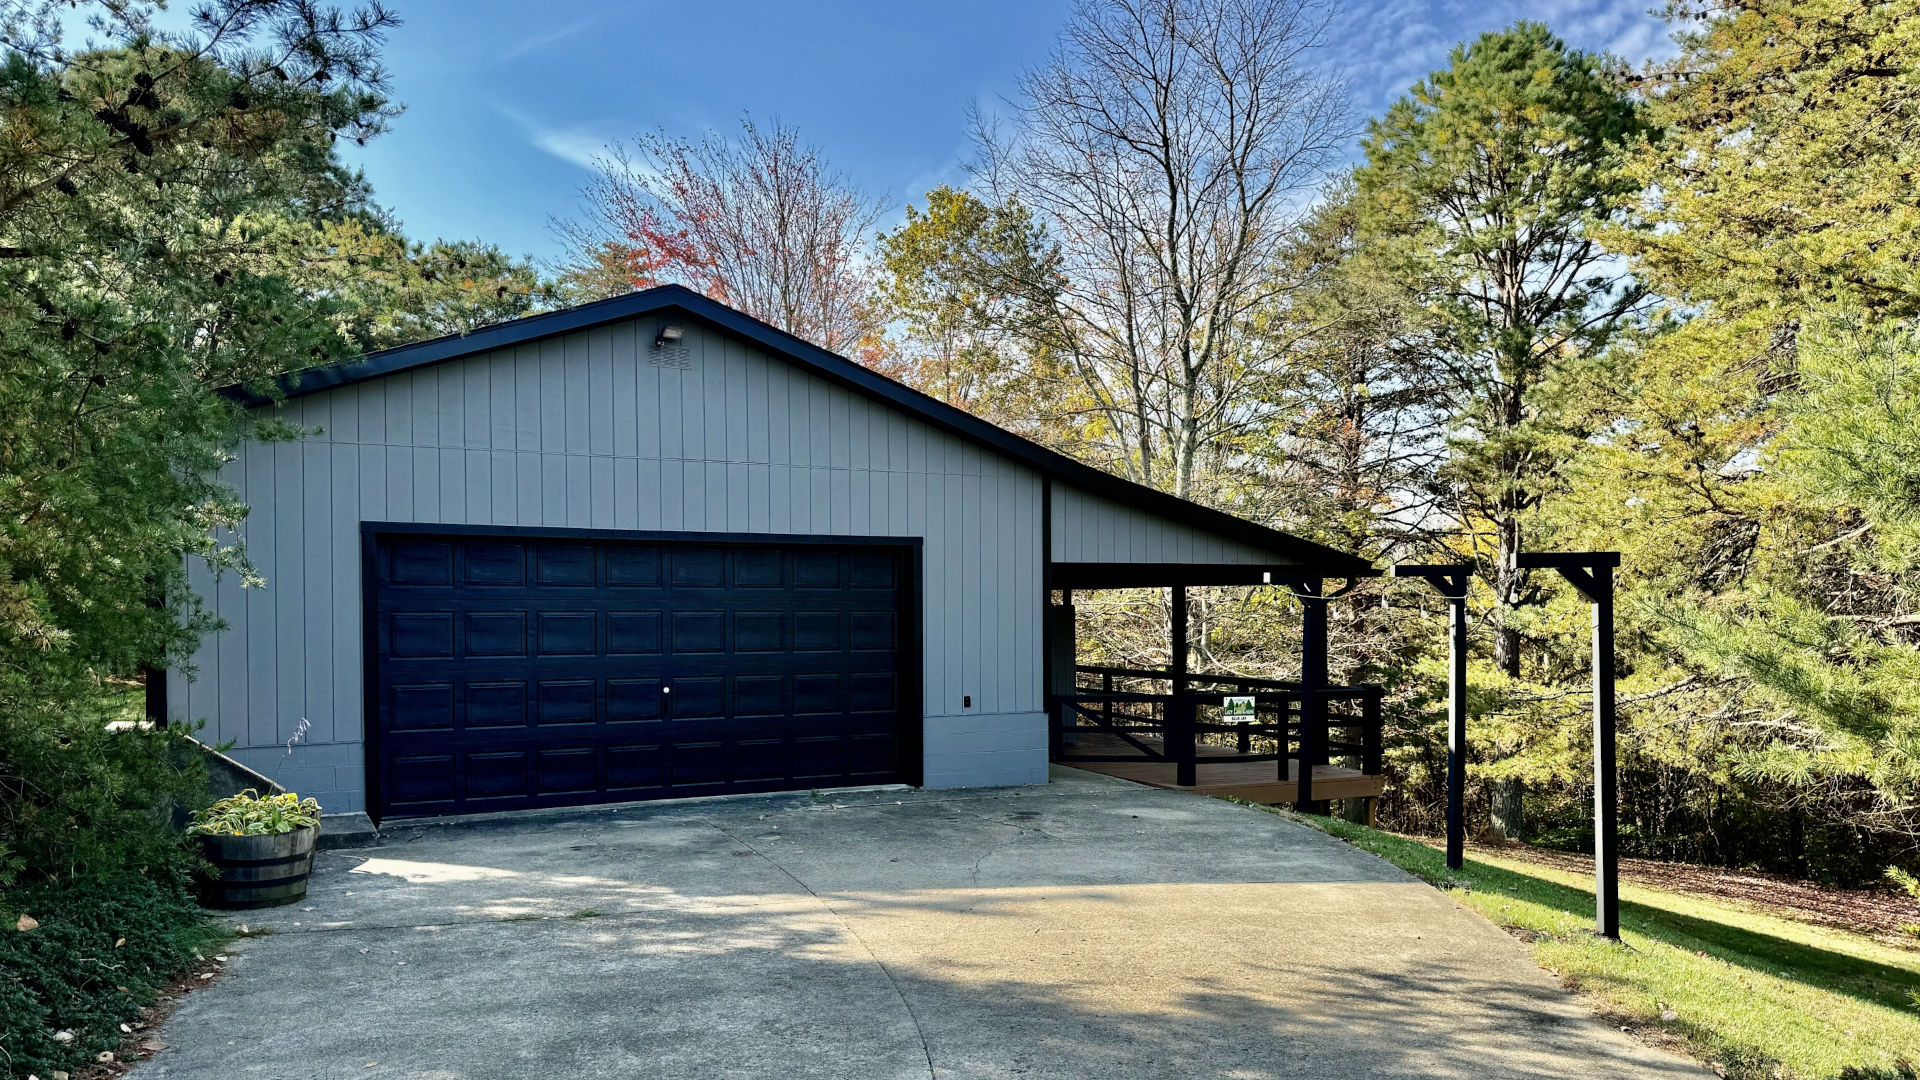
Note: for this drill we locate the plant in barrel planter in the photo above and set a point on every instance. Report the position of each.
(261, 848)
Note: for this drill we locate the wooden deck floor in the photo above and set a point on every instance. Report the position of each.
(1254, 781)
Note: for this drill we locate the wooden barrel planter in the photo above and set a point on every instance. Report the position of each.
(258, 871)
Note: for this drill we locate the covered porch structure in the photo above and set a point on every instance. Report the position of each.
(1300, 742)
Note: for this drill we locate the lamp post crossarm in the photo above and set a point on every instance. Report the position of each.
(1448, 579)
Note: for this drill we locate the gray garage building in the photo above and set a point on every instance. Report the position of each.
(651, 547)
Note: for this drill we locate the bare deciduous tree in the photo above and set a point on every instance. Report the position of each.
(1167, 145)
(760, 222)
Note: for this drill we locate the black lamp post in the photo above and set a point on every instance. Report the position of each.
(1450, 581)
(1591, 572)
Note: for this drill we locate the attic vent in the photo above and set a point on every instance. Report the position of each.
(673, 356)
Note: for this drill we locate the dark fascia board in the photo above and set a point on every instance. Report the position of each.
(1302, 554)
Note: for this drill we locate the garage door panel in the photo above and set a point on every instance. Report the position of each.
(420, 779)
(566, 701)
(818, 757)
(759, 569)
(634, 701)
(698, 567)
(870, 755)
(567, 633)
(697, 764)
(568, 770)
(496, 633)
(873, 571)
(759, 631)
(816, 631)
(496, 774)
(701, 697)
(699, 631)
(564, 565)
(816, 570)
(421, 706)
(757, 696)
(871, 692)
(423, 562)
(633, 633)
(817, 693)
(420, 634)
(633, 566)
(760, 759)
(635, 767)
(484, 563)
(868, 631)
(496, 704)
(518, 673)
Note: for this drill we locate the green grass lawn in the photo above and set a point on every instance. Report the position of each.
(1759, 995)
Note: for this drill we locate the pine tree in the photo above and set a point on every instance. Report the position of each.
(1760, 447)
(1485, 183)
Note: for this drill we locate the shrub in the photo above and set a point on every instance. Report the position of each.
(88, 851)
(85, 788)
(72, 972)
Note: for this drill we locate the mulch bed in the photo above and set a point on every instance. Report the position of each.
(1880, 913)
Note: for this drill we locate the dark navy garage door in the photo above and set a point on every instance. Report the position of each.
(518, 672)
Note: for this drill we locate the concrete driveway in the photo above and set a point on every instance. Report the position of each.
(1086, 928)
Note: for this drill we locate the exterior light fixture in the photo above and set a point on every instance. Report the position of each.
(668, 335)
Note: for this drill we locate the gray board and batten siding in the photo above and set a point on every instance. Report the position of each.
(1090, 529)
(583, 424)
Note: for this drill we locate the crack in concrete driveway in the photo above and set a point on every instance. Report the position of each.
(905, 1004)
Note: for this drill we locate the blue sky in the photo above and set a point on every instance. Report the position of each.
(507, 100)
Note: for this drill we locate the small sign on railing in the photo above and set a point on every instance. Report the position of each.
(1237, 710)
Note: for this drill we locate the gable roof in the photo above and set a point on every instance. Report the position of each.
(836, 369)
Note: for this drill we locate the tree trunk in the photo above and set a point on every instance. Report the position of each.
(1508, 798)
(1509, 805)
(1508, 579)
(1187, 437)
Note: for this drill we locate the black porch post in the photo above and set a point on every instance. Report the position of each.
(1061, 654)
(1457, 731)
(1450, 581)
(1313, 683)
(1180, 733)
(1591, 572)
(1606, 794)
(1177, 640)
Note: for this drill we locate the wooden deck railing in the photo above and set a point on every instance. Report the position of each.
(1291, 722)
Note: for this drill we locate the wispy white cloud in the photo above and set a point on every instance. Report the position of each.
(1381, 47)
(1622, 27)
(582, 146)
(571, 145)
(537, 42)
(950, 170)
